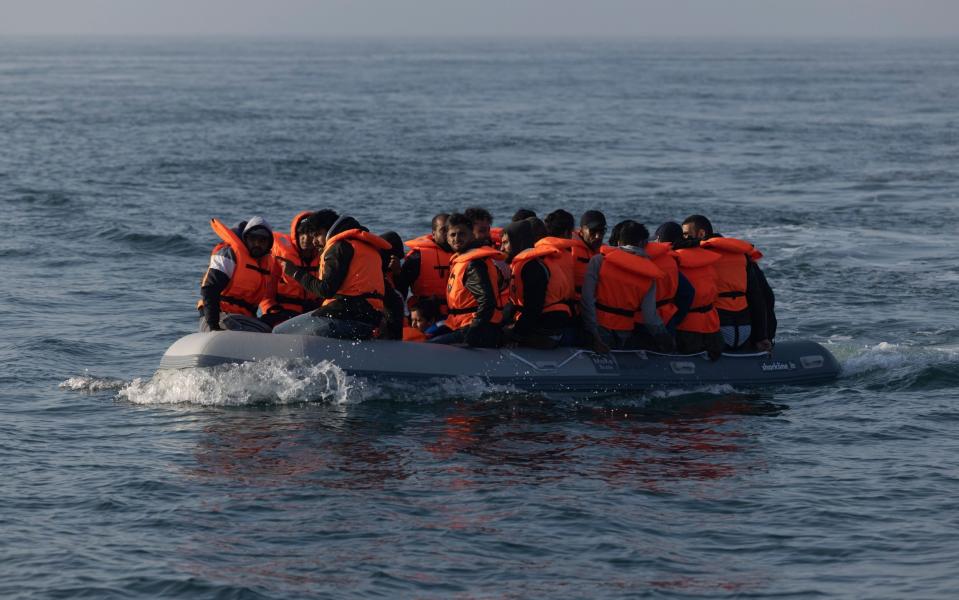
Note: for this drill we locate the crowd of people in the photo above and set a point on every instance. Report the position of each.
(540, 283)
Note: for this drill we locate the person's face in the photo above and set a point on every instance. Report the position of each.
(258, 245)
(690, 232)
(459, 237)
(418, 321)
(593, 236)
(439, 233)
(481, 230)
(319, 239)
(505, 246)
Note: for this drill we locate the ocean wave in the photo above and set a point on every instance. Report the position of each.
(902, 367)
(155, 243)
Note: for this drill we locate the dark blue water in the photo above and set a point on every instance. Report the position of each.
(838, 159)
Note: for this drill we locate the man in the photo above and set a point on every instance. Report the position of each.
(698, 330)
(239, 278)
(559, 224)
(302, 247)
(475, 312)
(424, 322)
(540, 289)
(351, 285)
(482, 221)
(586, 244)
(745, 301)
(394, 308)
(617, 285)
(426, 269)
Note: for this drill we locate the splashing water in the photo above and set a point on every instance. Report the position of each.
(268, 381)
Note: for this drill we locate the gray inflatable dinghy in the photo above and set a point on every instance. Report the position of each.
(563, 369)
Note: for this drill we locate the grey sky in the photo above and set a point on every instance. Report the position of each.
(713, 18)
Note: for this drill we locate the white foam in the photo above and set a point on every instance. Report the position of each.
(268, 381)
(719, 389)
(91, 384)
(887, 356)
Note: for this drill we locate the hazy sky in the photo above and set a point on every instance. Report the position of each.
(886, 18)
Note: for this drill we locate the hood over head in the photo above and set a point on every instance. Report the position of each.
(344, 223)
(537, 228)
(396, 242)
(520, 237)
(255, 226)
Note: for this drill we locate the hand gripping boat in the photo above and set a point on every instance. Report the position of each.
(562, 369)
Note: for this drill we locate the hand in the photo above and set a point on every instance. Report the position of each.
(764, 345)
(289, 269)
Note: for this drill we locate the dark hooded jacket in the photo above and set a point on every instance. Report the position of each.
(336, 265)
(535, 275)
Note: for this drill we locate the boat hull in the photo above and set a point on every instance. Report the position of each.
(562, 369)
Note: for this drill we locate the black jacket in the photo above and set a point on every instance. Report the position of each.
(336, 265)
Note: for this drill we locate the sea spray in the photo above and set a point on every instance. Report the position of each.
(269, 381)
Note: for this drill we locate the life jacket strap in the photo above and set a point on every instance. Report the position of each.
(258, 269)
(238, 302)
(731, 294)
(463, 311)
(701, 309)
(614, 310)
(665, 301)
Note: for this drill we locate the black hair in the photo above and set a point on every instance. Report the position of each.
(429, 308)
(559, 223)
(460, 220)
(614, 233)
(670, 231)
(476, 214)
(633, 233)
(700, 222)
(437, 218)
(523, 213)
(321, 220)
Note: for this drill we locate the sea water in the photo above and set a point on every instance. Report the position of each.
(837, 158)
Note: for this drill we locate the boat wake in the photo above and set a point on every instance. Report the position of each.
(266, 382)
(900, 367)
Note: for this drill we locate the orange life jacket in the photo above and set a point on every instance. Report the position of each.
(582, 253)
(559, 286)
(697, 265)
(290, 295)
(731, 270)
(364, 277)
(412, 334)
(624, 278)
(434, 270)
(462, 304)
(252, 281)
(663, 256)
(565, 262)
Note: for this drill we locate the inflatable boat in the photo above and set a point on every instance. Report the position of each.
(562, 369)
